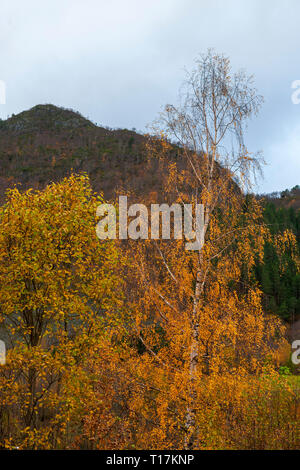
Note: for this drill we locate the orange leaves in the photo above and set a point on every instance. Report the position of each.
(286, 242)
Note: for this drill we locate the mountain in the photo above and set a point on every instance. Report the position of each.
(46, 142)
(289, 198)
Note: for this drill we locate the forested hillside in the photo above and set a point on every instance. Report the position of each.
(278, 275)
(46, 143)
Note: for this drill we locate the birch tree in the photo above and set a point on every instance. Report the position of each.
(212, 166)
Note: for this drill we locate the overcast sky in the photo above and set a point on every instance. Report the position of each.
(119, 61)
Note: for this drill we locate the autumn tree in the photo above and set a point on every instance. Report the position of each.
(58, 294)
(205, 303)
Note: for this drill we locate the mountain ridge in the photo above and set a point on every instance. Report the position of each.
(47, 142)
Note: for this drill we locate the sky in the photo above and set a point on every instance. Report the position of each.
(118, 62)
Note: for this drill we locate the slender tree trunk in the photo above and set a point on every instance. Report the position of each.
(193, 367)
(31, 389)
